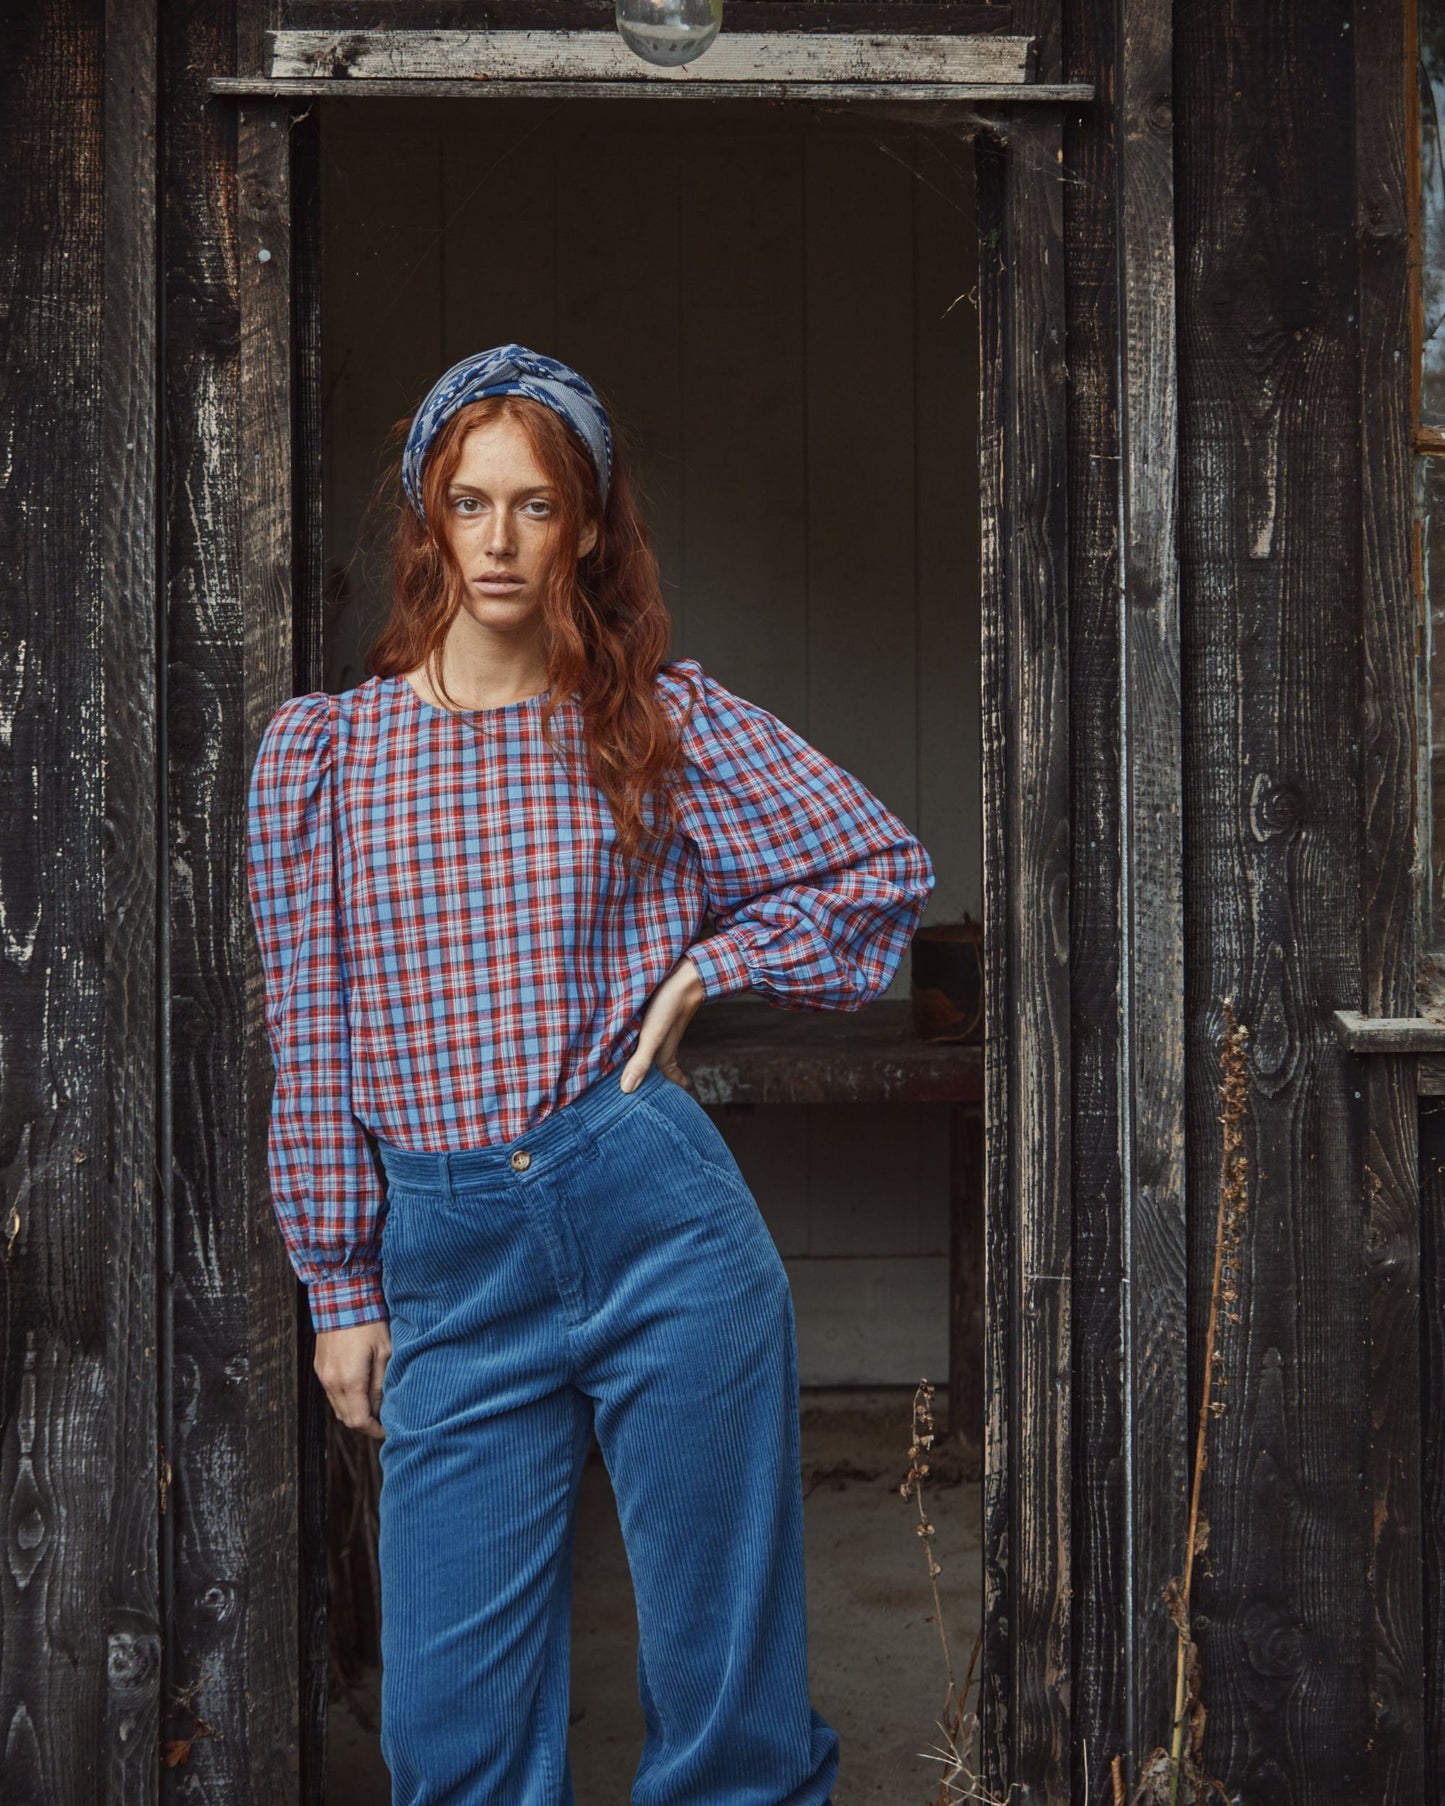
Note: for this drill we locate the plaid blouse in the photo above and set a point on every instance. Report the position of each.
(450, 953)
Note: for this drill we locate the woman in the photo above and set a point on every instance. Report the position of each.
(478, 881)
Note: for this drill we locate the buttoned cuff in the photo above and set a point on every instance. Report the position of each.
(721, 965)
(347, 1300)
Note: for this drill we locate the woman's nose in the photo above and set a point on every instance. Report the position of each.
(498, 536)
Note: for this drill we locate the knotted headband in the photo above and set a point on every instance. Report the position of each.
(509, 370)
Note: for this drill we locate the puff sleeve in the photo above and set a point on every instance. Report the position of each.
(815, 886)
(325, 1188)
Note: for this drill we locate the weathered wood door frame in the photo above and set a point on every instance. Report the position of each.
(1025, 1692)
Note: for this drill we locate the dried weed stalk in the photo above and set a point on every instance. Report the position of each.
(1164, 1769)
(959, 1727)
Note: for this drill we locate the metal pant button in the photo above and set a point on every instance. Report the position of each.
(521, 1160)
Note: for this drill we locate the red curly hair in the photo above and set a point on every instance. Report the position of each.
(604, 619)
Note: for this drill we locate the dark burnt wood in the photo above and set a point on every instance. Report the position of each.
(1271, 591)
(80, 1468)
(1158, 1444)
(1026, 922)
(136, 1238)
(1390, 1196)
(263, 431)
(1103, 1715)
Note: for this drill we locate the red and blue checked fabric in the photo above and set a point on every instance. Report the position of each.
(450, 951)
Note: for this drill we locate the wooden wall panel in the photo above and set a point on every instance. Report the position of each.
(1270, 587)
(1103, 1715)
(1390, 895)
(1157, 1427)
(80, 1471)
(1028, 1582)
(234, 1641)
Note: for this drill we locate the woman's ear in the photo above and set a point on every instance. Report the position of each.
(587, 538)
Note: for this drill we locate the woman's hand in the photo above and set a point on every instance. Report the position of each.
(350, 1364)
(669, 1010)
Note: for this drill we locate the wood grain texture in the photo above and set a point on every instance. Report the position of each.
(1389, 899)
(581, 15)
(700, 88)
(1270, 600)
(994, 1703)
(1388, 1034)
(264, 433)
(587, 56)
(1027, 1582)
(133, 867)
(1157, 1424)
(79, 1608)
(233, 1634)
(1102, 1698)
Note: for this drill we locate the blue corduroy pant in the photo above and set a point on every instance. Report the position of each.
(608, 1269)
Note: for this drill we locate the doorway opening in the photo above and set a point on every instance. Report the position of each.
(779, 301)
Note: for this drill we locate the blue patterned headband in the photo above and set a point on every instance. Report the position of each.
(509, 370)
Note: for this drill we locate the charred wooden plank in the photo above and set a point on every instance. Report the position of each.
(1270, 596)
(1157, 1442)
(232, 1634)
(133, 866)
(1027, 1582)
(1102, 1700)
(996, 1689)
(79, 1467)
(264, 446)
(1390, 1197)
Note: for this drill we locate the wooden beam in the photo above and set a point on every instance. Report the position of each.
(1103, 1699)
(1388, 1034)
(265, 495)
(1389, 1196)
(1272, 593)
(1035, 94)
(1029, 1354)
(587, 56)
(1158, 1419)
(80, 1470)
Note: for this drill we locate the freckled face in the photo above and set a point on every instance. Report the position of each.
(501, 518)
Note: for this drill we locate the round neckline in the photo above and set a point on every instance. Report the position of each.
(498, 708)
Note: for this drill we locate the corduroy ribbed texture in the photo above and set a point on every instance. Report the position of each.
(621, 1276)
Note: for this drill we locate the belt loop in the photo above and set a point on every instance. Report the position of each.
(576, 1120)
(444, 1173)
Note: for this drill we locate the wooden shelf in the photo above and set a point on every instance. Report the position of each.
(744, 1051)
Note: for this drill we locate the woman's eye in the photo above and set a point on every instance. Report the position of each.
(465, 503)
(544, 507)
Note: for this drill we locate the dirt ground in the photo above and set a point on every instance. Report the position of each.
(877, 1664)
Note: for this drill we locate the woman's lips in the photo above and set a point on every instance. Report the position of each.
(500, 582)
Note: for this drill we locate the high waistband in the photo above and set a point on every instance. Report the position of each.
(567, 1130)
